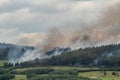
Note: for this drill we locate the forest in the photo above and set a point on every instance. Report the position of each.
(103, 56)
(91, 63)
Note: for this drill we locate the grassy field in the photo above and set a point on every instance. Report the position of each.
(20, 70)
(99, 75)
(92, 74)
(20, 77)
(56, 68)
(2, 62)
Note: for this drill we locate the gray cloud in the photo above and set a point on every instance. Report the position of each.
(13, 5)
(48, 24)
(30, 16)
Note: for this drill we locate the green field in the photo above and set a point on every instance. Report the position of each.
(56, 68)
(91, 74)
(99, 75)
(62, 72)
(2, 62)
(20, 77)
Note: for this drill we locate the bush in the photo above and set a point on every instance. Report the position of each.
(7, 76)
(31, 75)
(2, 71)
(65, 72)
(39, 71)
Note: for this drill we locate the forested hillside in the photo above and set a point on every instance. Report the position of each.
(108, 55)
(11, 50)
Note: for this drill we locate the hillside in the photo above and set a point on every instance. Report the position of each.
(108, 56)
(8, 51)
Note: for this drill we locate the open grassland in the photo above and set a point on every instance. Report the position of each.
(56, 68)
(60, 73)
(2, 62)
(100, 75)
(52, 73)
(89, 74)
(20, 77)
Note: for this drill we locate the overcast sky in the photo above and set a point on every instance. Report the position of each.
(19, 18)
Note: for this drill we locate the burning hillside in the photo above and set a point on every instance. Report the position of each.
(105, 30)
(102, 29)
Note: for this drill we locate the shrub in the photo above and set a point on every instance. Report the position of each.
(65, 72)
(7, 76)
(40, 71)
(31, 75)
(2, 71)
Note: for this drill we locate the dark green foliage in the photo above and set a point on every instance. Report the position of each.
(5, 49)
(113, 60)
(7, 76)
(3, 53)
(56, 75)
(40, 71)
(2, 71)
(65, 72)
(30, 75)
(8, 65)
(108, 55)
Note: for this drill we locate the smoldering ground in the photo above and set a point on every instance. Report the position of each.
(105, 30)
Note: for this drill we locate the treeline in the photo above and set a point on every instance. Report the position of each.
(60, 77)
(51, 74)
(6, 75)
(6, 49)
(107, 56)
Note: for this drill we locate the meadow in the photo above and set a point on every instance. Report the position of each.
(2, 62)
(60, 73)
(91, 73)
(99, 75)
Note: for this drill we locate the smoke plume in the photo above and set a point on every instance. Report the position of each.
(105, 30)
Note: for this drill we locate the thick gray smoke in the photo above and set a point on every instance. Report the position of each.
(104, 31)
(14, 54)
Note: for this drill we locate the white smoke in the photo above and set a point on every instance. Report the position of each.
(105, 30)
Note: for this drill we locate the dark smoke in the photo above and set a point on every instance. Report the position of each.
(105, 30)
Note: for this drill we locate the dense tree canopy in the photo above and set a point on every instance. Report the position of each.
(108, 55)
